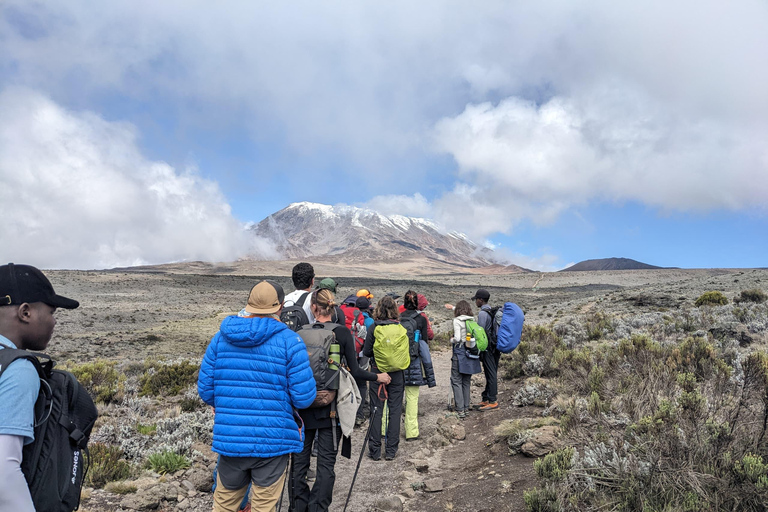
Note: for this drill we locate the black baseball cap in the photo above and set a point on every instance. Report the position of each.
(481, 294)
(362, 303)
(394, 295)
(25, 283)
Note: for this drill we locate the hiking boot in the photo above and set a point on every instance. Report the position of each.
(359, 422)
(374, 457)
(389, 457)
(480, 405)
(461, 414)
(489, 406)
(413, 438)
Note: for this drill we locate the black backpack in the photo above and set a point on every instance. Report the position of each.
(56, 462)
(408, 320)
(294, 316)
(496, 313)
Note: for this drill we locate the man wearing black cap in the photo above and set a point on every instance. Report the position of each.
(490, 357)
(27, 304)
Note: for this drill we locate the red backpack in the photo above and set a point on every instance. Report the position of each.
(355, 322)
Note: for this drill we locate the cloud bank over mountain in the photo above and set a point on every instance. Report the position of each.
(512, 112)
(77, 193)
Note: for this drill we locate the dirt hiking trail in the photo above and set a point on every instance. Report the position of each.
(435, 473)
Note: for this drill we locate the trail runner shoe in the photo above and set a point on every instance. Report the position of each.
(489, 406)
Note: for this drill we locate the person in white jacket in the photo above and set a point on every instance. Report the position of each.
(462, 366)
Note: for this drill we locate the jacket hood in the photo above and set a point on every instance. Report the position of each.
(249, 332)
(465, 317)
(423, 302)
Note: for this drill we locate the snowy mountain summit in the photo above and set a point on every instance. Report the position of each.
(304, 230)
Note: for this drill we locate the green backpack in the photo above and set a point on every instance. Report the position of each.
(477, 332)
(390, 347)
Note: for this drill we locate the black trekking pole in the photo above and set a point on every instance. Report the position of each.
(360, 459)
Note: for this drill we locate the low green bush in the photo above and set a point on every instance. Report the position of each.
(101, 379)
(171, 379)
(712, 298)
(120, 488)
(191, 404)
(541, 500)
(554, 466)
(754, 295)
(146, 430)
(106, 465)
(167, 462)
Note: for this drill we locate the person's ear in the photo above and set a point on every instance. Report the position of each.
(24, 313)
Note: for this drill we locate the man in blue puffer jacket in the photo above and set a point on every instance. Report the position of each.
(255, 372)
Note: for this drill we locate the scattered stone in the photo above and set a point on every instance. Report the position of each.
(188, 485)
(388, 504)
(408, 492)
(438, 441)
(201, 479)
(543, 440)
(433, 485)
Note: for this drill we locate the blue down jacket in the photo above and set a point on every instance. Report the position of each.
(254, 372)
(420, 372)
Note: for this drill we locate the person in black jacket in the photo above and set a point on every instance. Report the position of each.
(385, 313)
(318, 424)
(420, 372)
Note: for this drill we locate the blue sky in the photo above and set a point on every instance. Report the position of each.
(137, 132)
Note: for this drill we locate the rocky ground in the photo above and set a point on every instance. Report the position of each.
(132, 317)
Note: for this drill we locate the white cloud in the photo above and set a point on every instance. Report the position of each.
(544, 105)
(395, 204)
(77, 193)
(534, 161)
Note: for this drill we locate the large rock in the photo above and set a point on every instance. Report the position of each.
(388, 504)
(543, 440)
(201, 479)
(433, 485)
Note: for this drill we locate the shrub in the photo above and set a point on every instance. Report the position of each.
(597, 324)
(712, 298)
(541, 500)
(533, 356)
(754, 295)
(120, 488)
(106, 465)
(555, 466)
(167, 462)
(146, 430)
(169, 380)
(190, 404)
(102, 381)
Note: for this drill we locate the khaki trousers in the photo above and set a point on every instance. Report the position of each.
(263, 499)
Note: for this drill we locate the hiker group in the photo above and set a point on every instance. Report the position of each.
(292, 375)
(289, 377)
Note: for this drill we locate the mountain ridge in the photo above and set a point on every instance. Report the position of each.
(609, 264)
(352, 234)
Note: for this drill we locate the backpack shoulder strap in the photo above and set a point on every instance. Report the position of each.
(302, 300)
(9, 355)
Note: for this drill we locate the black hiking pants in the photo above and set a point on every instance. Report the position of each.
(364, 410)
(319, 498)
(490, 361)
(395, 390)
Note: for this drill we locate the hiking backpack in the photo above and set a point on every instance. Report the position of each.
(355, 322)
(56, 462)
(408, 320)
(390, 347)
(510, 328)
(324, 359)
(294, 316)
(477, 332)
(496, 312)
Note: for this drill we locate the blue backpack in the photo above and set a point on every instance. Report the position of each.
(510, 329)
